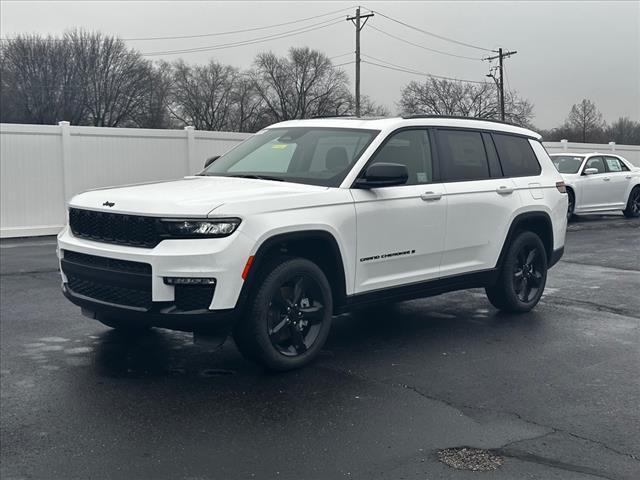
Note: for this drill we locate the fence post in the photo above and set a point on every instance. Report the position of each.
(565, 143)
(191, 148)
(65, 135)
(612, 146)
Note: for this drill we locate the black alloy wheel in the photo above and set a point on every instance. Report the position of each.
(523, 275)
(296, 313)
(528, 273)
(288, 317)
(633, 204)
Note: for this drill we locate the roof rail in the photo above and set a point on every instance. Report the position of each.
(459, 117)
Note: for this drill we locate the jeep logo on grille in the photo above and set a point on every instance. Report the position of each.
(108, 204)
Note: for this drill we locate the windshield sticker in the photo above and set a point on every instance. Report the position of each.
(279, 146)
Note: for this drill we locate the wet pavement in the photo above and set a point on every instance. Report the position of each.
(553, 394)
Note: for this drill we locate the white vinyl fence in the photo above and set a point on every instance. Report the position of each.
(630, 152)
(43, 166)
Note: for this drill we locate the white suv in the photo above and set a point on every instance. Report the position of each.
(311, 218)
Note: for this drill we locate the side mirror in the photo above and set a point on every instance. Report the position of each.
(590, 171)
(383, 175)
(209, 161)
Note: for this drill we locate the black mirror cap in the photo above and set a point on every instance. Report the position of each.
(209, 161)
(383, 175)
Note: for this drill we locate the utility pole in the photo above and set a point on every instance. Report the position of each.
(357, 22)
(500, 81)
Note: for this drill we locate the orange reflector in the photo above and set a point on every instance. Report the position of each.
(561, 187)
(247, 267)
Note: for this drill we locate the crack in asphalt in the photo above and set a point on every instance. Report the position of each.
(586, 264)
(521, 418)
(565, 301)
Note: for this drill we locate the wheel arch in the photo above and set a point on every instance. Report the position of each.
(538, 222)
(318, 246)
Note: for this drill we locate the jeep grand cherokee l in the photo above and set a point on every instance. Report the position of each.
(311, 218)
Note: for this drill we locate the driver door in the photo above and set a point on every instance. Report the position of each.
(400, 229)
(595, 191)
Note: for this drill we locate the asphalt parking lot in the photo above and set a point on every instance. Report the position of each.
(554, 394)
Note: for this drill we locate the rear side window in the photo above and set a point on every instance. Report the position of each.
(615, 165)
(463, 155)
(516, 156)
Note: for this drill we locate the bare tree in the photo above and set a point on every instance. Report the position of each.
(249, 113)
(154, 111)
(116, 79)
(41, 82)
(302, 85)
(202, 94)
(586, 119)
(455, 98)
(624, 131)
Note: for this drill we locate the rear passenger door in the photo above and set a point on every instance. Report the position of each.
(480, 201)
(619, 179)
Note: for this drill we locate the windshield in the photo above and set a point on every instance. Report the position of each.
(311, 155)
(567, 163)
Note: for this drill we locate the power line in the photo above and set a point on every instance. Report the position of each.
(341, 55)
(345, 63)
(399, 68)
(426, 32)
(216, 34)
(297, 31)
(422, 46)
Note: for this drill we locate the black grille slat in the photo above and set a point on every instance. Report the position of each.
(107, 263)
(110, 293)
(193, 297)
(132, 230)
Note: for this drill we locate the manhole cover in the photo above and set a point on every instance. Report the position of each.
(474, 459)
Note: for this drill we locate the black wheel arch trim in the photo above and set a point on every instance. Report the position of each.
(261, 257)
(521, 220)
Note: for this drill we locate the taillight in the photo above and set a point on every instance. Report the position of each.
(562, 188)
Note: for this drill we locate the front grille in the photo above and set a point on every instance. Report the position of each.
(133, 230)
(193, 297)
(109, 293)
(107, 263)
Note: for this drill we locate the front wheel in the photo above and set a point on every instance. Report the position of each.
(633, 204)
(289, 316)
(523, 275)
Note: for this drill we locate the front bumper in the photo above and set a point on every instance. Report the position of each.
(162, 314)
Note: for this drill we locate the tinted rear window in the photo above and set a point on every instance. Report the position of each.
(516, 156)
(463, 154)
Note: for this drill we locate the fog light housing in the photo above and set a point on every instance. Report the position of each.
(189, 281)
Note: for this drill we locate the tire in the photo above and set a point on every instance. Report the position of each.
(572, 203)
(122, 324)
(522, 277)
(288, 317)
(633, 204)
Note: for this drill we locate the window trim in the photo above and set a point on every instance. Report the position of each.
(530, 148)
(434, 158)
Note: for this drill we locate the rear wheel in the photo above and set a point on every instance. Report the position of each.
(523, 275)
(633, 204)
(289, 316)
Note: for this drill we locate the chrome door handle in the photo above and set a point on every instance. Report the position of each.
(606, 179)
(503, 190)
(428, 196)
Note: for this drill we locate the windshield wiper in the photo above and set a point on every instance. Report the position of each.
(259, 177)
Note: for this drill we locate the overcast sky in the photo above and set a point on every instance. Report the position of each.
(566, 50)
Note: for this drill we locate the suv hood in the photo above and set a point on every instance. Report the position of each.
(189, 197)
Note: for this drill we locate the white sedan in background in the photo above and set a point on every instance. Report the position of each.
(599, 182)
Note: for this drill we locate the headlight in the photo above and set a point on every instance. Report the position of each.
(199, 228)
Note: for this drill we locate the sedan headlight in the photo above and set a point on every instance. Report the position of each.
(214, 228)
